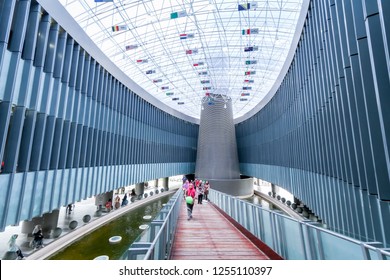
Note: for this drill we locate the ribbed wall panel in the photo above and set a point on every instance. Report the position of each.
(325, 135)
(68, 128)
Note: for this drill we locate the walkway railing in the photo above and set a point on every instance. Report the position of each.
(155, 243)
(296, 240)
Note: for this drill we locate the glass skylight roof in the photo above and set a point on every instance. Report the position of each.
(182, 51)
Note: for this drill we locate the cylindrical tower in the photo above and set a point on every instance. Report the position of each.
(217, 156)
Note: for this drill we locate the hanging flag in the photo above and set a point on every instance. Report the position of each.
(157, 81)
(180, 103)
(246, 88)
(97, 1)
(249, 81)
(142, 61)
(249, 62)
(248, 6)
(247, 73)
(245, 94)
(131, 47)
(178, 14)
(206, 88)
(202, 73)
(175, 98)
(243, 99)
(207, 94)
(205, 81)
(169, 93)
(165, 87)
(244, 7)
(250, 31)
(150, 71)
(251, 49)
(119, 28)
(186, 36)
(200, 63)
(192, 51)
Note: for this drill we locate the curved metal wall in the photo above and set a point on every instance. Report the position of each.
(325, 135)
(68, 128)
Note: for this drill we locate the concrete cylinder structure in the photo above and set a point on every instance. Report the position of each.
(217, 156)
(139, 188)
(101, 199)
(165, 183)
(48, 221)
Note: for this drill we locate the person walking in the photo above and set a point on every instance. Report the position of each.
(38, 237)
(190, 199)
(200, 191)
(12, 247)
(206, 190)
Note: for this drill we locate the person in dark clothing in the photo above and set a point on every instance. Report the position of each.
(38, 237)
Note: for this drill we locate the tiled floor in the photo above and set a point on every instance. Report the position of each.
(210, 236)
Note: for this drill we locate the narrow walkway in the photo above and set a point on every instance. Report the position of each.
(210, 236)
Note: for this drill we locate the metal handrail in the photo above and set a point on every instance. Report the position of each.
(158, 239)
(293, 239)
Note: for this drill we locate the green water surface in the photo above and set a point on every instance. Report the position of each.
(96, 243)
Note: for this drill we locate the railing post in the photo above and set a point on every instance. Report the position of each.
(137, 249)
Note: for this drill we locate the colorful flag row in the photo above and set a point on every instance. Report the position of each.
(246, 88)
(245, 94)
(150, 72)
(247, 73)
(243, 99)
(169, 93)
(202, 73)
(250, 31)
(142, 61)
(175, 98)
(206, 88)
(180, 103)
(97, 1)
(205, 81)
(165, 87)
(157, 81)
(200, 63)
(249, 81)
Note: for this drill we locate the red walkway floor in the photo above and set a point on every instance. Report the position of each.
(210, 236)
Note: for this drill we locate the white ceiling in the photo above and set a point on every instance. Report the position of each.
(214, 29)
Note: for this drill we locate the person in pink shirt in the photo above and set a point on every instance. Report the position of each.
(190, 192)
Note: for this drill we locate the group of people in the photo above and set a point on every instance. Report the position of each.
(117, 202)
(191, 189)
(35, 243)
